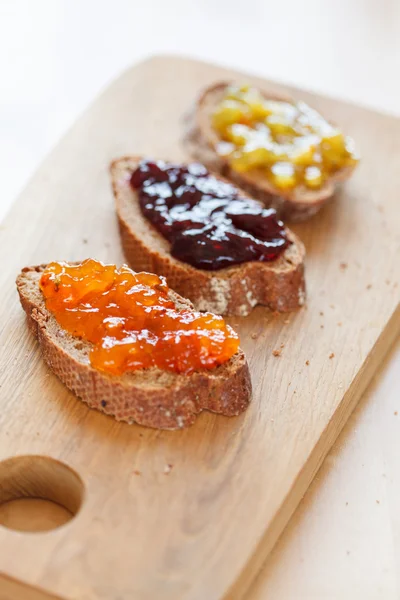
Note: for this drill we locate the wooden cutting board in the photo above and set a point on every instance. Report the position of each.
(188, 514)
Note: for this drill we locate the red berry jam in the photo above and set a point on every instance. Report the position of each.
(208, 222)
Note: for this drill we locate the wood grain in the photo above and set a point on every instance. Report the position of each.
(344, 534)
(234, 482)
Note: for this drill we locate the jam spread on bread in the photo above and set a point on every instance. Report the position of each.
(131, 320)
(209, 223)
(289, 144)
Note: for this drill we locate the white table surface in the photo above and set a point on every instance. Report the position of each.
(55, 56)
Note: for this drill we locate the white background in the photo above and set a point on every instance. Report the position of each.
(55, 56)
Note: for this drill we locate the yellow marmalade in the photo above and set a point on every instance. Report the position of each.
(291, 144)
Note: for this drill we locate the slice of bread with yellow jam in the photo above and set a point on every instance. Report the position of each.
(280, 151)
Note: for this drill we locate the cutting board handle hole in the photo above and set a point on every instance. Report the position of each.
(38, 493)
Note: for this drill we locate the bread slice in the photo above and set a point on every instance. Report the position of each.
(150, 397)
(201, 140)
(234, 290)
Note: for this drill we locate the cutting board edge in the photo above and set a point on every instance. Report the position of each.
(253, 567)
(13, 589)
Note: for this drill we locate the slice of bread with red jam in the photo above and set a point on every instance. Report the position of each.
(149, 396)
(220, 267)
(292, 202)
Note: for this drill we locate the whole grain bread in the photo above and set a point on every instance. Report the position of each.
(278, 284)
(150, 397)
(200, 140)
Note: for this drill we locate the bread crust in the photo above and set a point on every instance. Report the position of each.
(235, 290)
(150, 397)
(200, 141)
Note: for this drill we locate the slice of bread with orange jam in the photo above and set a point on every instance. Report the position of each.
(167, 397)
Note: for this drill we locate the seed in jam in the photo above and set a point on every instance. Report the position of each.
(208, 222)
(131, 320)
(290, 144)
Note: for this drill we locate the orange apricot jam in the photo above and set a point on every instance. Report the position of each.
(131, 320)
(289, 143)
